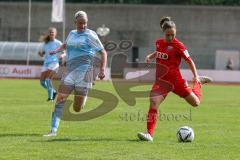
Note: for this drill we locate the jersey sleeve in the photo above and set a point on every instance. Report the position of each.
(158, 45)
(59, 43)
(94, 42)
(65, 42)
(183, 51)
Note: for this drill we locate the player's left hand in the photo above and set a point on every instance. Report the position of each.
(196, 79)
(63, 62)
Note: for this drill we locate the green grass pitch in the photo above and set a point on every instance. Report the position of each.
(25, 117)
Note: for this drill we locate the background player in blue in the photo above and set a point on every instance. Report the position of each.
(81, 47)
(51, 62)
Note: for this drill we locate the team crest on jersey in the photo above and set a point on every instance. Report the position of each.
(169, 48)
(162, 55)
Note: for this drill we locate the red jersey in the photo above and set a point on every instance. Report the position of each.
(169, 54)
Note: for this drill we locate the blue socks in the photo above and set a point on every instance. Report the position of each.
(50, 88)
(43, 83)
(56, 116)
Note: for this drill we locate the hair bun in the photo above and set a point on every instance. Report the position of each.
(163, 20)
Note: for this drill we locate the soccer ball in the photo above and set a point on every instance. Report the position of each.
(185, 134)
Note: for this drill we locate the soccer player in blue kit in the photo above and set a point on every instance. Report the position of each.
(82, 46)
(51, 62)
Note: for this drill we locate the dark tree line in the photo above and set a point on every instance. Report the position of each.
(176, 2)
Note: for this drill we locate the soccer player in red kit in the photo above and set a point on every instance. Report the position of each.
(168, 55)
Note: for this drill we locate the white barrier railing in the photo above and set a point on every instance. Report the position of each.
(217, 75)
(25, 71)
(20, 71)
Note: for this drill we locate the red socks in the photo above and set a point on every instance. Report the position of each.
(153, 113)
(151, 120)
(197, 90)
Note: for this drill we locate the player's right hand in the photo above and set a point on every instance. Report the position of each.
(41, 53)
(147, 61)
(101, 74)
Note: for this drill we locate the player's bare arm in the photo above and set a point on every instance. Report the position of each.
(60, 49)
(103, 64)
(151, 56)
(193, 68)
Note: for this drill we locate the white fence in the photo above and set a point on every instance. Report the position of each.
(24, 71)
(20, 71)
(217, 75)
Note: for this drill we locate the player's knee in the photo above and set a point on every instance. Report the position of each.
(77, 108)
(61, 98)
(153, 103)
(195, 103)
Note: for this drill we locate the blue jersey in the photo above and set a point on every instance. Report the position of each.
(48, 47)
(81, 48)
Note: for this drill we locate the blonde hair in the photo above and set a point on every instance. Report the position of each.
(81, 14)
(46, 38)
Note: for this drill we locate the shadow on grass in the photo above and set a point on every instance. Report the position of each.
(49, 139)
(76, 139)
(19, 135)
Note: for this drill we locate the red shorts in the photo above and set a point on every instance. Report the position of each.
(177, 86)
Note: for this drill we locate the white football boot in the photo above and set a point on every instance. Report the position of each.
(145, 137)
(205, 79)
(50, 134)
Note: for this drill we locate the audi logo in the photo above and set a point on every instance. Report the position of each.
(4, 70)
